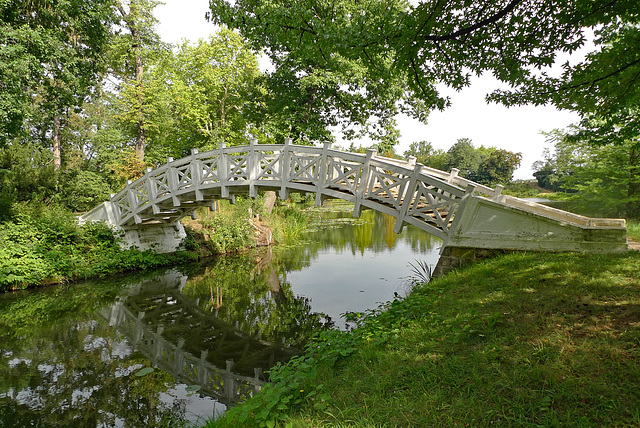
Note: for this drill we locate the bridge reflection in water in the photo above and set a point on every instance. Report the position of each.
(192, 344)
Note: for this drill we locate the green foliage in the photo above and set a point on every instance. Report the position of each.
(522, 189)
(43, 244)
(486, 165)
(289, 223)
(212, 84)
(421, 150)
(82, 190)
(334, 57)
(318, 81)
(498, 167)
(227, 234)
(603, 86)
(292, 384)
(463, 156)
(599, 180)
(51, 56)
(633, 229)
(26, 173)
(226, 230)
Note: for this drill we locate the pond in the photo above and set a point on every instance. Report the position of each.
(176, 347)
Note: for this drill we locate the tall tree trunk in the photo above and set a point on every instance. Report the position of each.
(633, 207)
(131, 20)
(57, 138)
(141, 139)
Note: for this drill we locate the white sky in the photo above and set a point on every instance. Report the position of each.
(516, 128)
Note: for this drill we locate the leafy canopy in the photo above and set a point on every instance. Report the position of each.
(51, 55)
(366, 58)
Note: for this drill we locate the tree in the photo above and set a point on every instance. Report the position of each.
(51, 57)
(600, 179)
(129, 53)
(421, 150)
(316, 84)
(463, 156)
(396, 52)
(498, 167)
(603, 87)
(212, 87)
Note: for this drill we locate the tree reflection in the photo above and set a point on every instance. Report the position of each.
(61, 365)
(81, 374)
(256, 299)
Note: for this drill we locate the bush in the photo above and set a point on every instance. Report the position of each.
(83, 190)
(43, 244)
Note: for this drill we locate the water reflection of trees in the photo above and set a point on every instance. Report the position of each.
(195, 324)
(252, 291)
(372, 231)
(79, 374)
(60, 367)
(256, 298)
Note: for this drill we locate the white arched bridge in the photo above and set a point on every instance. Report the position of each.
(463, 213)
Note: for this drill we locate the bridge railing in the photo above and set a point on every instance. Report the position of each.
(413, 193)
(172, 190)
(533, 207)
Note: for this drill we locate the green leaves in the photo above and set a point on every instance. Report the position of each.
(50, 56)
(145, 371)
(600, 179)
(330, 69)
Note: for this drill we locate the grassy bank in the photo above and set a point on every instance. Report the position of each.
(633, 229)
(44, 245)
(524, 340)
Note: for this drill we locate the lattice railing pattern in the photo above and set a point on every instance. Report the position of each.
(413, 193)
(184, 366)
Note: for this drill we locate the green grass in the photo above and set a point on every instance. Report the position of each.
(633, 229)
(522, 340)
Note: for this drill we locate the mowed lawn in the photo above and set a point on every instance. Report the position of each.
(520, 340)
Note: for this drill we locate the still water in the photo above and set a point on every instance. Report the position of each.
(176, 347)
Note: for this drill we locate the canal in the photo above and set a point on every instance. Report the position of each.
(178, 346)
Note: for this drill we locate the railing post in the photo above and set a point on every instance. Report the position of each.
(196, 174)
(407, 198)
(202, 368)
(172, 182)
(453, 175)
(223, 171)
(285, 165)
(117, 211)
(138, 328)
(229, 381)
(322, 173)
(157, 345)
(363, 183)
(152, 191)
(497, 193)
(178, 358)
(253, 166)
(468, 193)
(257, 374)
(133, 203)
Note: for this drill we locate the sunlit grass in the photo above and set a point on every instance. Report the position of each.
(633, 229)
(519, 340)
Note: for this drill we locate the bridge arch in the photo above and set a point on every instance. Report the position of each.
(459, 211)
